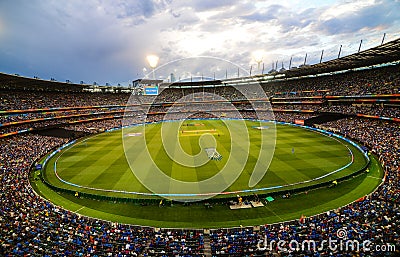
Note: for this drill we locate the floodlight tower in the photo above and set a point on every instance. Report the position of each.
(258, 57)
(153, 61)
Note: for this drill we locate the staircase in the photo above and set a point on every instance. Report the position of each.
(207, 246)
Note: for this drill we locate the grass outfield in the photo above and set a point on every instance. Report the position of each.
(220, 216)
(99, 162)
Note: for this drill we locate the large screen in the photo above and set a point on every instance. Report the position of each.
(151, 90)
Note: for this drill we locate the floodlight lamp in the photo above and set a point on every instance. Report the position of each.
(153, 60)
(258, 56)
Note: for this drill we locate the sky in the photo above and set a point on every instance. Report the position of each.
(108, 41)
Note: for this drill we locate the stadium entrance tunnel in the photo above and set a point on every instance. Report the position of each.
(324, 118)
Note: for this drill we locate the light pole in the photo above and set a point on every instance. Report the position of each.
(258, 57)
(153, 61)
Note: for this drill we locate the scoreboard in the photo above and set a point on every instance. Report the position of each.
(151, 90)
(146, 86)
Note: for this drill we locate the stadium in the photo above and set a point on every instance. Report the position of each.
(206, 166)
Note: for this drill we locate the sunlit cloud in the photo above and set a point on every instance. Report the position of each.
(108, 41)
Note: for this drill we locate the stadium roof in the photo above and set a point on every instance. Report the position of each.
(183, 84)
(16, 82)
(385, 53)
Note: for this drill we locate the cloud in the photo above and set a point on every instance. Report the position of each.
(207, 5)
(284, 18)
(107, 41)
(272, 12)
(356, 16)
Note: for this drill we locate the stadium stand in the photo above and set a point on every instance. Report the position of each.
(33, 226)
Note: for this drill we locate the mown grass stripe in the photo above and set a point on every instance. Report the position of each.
(311, 158)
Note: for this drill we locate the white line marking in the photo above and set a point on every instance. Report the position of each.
(80, 209)
(374, 177)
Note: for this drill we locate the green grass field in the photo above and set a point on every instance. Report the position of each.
(195, 215)
(99, 163)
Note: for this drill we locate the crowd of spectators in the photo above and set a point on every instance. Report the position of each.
(10, 118)
(218, 110)
(32, 226)
(374, 110)
(375, 217)
(292, 117)
(177, 243)
(50, 123)
(236, 242)
(95, 126)
(22, 100)
(385, 80)
(230, 93)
